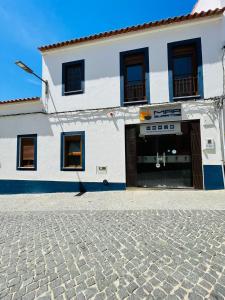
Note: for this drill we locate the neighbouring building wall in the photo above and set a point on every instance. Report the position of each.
(102, 65)
(104, 146)
(204, 5)
(21, 108)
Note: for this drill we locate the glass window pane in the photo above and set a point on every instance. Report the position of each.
(74, 146)
(74, 161)
(73, 78)
(27, 152)
(72, 151)
(134, 73)
(183, 66)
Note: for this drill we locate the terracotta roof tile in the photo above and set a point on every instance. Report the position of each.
(149, 25)
(22, 100)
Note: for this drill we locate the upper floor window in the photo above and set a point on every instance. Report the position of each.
(73, 78)
(134, 69)
(72, 151)
(185, 69)
(27, 152)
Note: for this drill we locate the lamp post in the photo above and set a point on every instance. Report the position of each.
(23, 66)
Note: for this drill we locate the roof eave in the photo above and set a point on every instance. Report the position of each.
(187, 18)
(20, 101)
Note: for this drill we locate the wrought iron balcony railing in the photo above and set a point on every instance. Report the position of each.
(185, 86)
(135, 91)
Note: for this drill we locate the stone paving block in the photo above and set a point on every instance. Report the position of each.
(33, 286)
(81, 287)
(70, 293)
(218, 288)
(141, 293)
(123, 293)
(91, 281)
(167, 288)
(90, 292)
(132, 287)
(158, 294)
(29, 296)
(194, 296)
(100, 296)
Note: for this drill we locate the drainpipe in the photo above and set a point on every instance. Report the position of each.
(221, 125)
(221, 115)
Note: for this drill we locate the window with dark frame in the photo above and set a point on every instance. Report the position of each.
(185, 70)
(185, 81)
(134, 88)
(135, 75)
(72, 151)
(73, 77)
(26, 152)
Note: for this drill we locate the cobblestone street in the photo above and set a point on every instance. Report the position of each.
(113, 255)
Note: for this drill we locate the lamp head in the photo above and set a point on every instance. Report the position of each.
(23, 66)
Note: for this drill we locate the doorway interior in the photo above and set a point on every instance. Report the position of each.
(166, 160)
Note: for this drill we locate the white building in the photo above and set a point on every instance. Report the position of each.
(140, 106)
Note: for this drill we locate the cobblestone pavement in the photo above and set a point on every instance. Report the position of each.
(113, 255)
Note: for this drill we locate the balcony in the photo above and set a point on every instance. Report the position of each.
(185, 86)
(135, 92)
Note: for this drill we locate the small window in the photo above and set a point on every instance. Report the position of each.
(73, 77)
(27, 152)
(134, 76)
(72, 156)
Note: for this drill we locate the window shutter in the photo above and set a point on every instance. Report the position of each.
(184, 50)
(134, 59)
(28, 153)
(27, 150)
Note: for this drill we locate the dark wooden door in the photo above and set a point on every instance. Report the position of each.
(131, 155)
(196, 154)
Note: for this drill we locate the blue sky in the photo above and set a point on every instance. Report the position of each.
(27, 24)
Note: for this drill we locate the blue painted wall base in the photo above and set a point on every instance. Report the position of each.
(213, 177)
(36, 187)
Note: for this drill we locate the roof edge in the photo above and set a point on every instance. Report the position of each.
(20, 100)
(108, 34)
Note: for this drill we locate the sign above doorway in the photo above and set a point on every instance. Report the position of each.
(161, 128)
(160, 114)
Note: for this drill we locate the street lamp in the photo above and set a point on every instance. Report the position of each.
(23, 66)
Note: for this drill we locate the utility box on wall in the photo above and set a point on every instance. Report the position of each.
(101, 170)
(209, 144)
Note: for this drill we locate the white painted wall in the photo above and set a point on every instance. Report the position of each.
(204, 5)
(105, 141)
(102, 65)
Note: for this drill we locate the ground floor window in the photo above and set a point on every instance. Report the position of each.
(27, 152)
(73, 151)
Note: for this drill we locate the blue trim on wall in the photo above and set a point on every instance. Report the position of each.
(213, 177)
(33, 186)
(72, 133)
(170, 46)
(18, 168)
(122, 72)
(73, 63)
